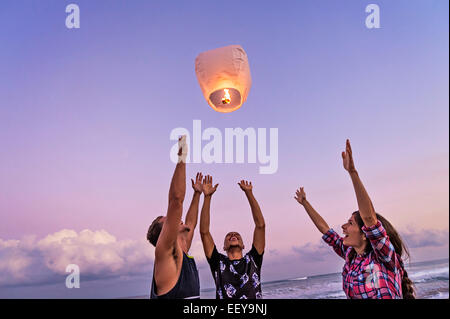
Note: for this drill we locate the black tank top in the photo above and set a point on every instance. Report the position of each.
(187, 286)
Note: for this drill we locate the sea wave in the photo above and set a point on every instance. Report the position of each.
(332, 295)
(299, 278)
(430, 274)
(440, 295)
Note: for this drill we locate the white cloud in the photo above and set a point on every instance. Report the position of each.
(314, 252)
(426, 238)
(97, 253)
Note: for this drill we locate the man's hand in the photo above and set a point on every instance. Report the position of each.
(182, 149)
(259, 234)
(246, 186)
(208, 189)
(347, 158)
(197, 185)
(300, 196)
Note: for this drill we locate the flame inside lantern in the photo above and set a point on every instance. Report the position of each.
(226, 97)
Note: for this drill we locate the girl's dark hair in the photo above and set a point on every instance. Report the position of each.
(408, 290)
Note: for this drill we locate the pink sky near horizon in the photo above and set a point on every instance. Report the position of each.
(127, 211)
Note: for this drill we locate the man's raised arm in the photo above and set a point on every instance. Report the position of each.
(259, 234)
(192, 213)
(207, 240)
(177, 191)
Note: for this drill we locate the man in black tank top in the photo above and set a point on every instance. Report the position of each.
(236, 276)
(175, 274)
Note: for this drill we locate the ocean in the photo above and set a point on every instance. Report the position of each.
(430, 278)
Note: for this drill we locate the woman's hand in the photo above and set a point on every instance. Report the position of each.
(300, 196)
(347, 158)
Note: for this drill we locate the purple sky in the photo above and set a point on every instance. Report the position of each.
(85, 118)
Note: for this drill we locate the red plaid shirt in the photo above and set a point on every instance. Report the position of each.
(374, 275)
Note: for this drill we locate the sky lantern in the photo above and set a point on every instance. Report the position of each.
(224, 77)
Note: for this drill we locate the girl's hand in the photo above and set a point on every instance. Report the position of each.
(347, 158)
(300, 196)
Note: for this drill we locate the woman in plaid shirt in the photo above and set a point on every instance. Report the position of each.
(371, 247)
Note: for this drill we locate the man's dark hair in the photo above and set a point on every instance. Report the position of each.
(154, 230)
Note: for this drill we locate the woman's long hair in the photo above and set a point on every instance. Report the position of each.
(408, 290)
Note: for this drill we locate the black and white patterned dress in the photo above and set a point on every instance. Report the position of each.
(237, 279)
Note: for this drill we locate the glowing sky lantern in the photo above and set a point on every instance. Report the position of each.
(224, 77)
